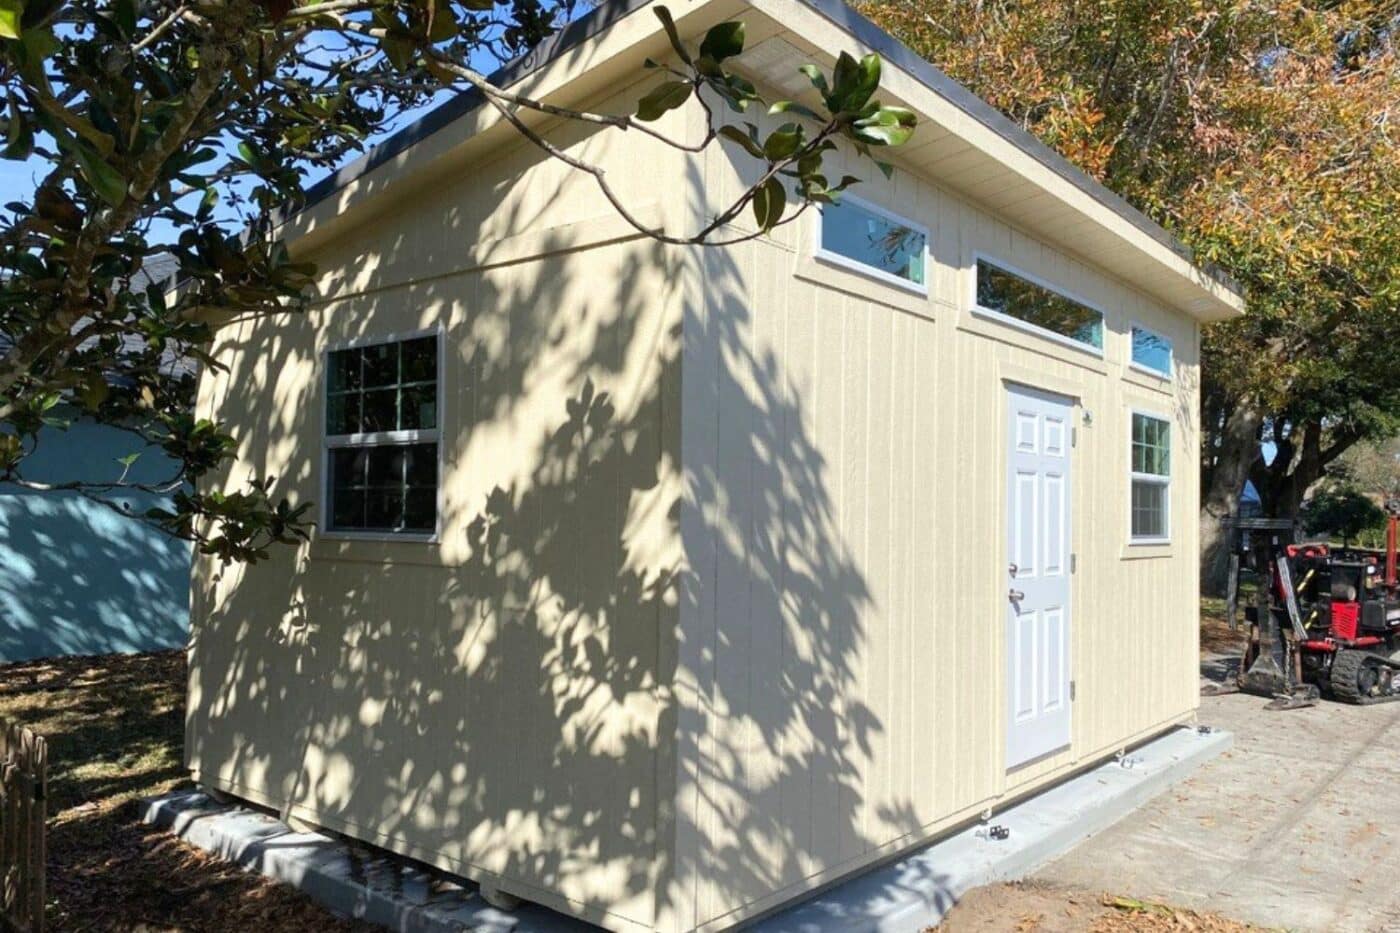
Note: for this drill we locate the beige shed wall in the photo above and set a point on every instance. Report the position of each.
(845, 524)
(676, 659)
(492, 703)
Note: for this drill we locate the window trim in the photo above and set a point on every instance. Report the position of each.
(825, 255)
(1026, 326)
(1133, 364)
(1164, 481)
(330, 442)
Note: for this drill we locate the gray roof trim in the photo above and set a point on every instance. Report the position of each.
(862, 29)
(517, 69)
(897, 53)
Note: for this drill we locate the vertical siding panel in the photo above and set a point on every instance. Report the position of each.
(831, 347)
(769, 391)
(734, 632)
(799, 430)
(880, 624)
(855, 498)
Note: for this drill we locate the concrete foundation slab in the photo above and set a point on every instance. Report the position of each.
(916, 891)
(905, 896)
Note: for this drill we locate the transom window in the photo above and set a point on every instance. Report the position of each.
(1003, 292)
(1151, 478)
(873, 241)
(382, 435)
(1152, 351)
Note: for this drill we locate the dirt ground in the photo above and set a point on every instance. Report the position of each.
(1216, 636)
(1034, 907)
(1296, 826)
(115, 728)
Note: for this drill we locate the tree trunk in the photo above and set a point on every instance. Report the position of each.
(1239, 447)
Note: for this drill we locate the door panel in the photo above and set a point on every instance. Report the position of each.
(1038, 574)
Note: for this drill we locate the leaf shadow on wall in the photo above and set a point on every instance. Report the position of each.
(503, 704)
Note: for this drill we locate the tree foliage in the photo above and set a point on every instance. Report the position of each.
(1343, 512)
(181, 128)
(1264, 136)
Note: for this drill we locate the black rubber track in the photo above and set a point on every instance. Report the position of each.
(1346, 670)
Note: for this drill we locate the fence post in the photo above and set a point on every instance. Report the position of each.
(24, 760)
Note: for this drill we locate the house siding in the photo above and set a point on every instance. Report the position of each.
(847, 544)
(494, 703)
(746, 636)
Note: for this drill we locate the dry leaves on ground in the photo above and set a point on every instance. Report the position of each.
(115, 728)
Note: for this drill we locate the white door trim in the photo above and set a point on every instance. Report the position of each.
(1038, 610)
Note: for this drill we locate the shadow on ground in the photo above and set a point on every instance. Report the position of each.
(115, 728)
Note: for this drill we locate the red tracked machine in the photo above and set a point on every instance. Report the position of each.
(1325, 620)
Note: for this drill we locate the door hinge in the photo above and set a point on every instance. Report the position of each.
(1071, 691)
(1074, 563)
(1073, 437)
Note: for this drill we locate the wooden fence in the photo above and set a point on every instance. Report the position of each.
(24, 759)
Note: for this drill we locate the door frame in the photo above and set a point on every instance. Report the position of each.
(1029, 384)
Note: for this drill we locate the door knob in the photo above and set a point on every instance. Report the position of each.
(1016, 596)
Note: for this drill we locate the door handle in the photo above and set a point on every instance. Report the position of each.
(1013, 569)
(1015, 596)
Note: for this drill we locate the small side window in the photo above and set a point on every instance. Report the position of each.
(1152, 351)
(382, 435)
(1151, 479)
(873, 241)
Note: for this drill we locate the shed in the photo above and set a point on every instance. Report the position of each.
(664, 585)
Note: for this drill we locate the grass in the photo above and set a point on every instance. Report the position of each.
(115, 728)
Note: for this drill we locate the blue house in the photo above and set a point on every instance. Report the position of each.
(77, 576)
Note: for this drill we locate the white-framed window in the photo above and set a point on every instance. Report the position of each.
(382, 433)
(873, 241)
(1151, 466)
(1151, 351)
(1028, 302)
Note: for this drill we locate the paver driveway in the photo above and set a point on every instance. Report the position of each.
(1298, 826)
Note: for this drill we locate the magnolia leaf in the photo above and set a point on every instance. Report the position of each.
(787, 106)
(109, 183)
(782, 142)
(11, 14)
(748, 141)
(723, 41)
(124, 13)
(398, 51)
(814, 74)
(666, 96)
(886, 126)
(669, 25)
(94, 392)
(853, 83)
(19, 134)
(769, 201)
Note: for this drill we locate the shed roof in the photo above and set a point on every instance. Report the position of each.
(962, 141)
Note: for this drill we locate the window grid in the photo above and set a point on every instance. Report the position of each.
(382, 453)
(1150, 496)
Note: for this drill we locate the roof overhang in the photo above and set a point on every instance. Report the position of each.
(961, 142)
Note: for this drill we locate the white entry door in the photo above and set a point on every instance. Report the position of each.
(1037, 574)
